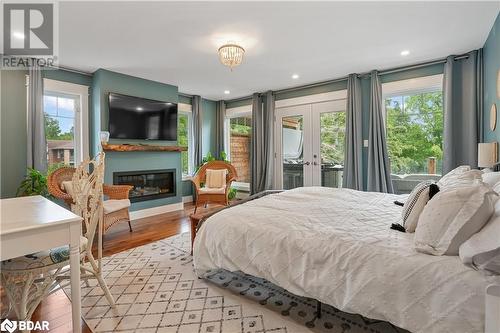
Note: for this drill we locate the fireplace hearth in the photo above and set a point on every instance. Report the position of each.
(148, 184)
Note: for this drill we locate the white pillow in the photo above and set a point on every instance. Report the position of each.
(452, 217)
(496, 187)
(482, 250)
(466, 178)
(491, 178)
(216, 178)
(414, 205)
(450, 176)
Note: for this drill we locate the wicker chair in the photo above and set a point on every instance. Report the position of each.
(27, 280)
(202, 197)
(113, 192)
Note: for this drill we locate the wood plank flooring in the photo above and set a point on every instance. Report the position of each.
(57, 308)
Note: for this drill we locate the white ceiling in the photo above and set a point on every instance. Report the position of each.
(176, 43)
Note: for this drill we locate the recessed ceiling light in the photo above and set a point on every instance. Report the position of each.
(18, 35)
(405, 53)
(139, 108)
(227, 92)
(169, 103)
(295, 76)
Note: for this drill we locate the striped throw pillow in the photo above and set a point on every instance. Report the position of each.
(416, 202)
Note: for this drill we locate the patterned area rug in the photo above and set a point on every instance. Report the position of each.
(156, 290)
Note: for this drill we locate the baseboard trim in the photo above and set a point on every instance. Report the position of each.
(139, 214)
(187, 198)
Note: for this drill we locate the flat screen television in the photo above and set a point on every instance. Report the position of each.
(139, 118)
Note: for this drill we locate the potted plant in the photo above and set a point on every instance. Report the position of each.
(34, 183)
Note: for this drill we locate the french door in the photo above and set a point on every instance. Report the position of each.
(310, 144)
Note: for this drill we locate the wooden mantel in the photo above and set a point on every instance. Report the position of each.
(138, 147)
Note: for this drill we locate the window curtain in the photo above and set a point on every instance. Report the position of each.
(197, 127)
(463, 110)
(379, 171)
(219, 128)
(262, 143)
(37, 143)
(353, 163)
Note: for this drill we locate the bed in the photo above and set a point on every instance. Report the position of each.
(335, 245)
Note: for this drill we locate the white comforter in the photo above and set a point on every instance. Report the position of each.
(335, 245)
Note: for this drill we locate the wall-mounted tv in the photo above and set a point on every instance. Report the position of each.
(139, 118)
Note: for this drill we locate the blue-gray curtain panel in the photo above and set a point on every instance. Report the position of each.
(463, 110)
(262, 143)
(37, 143)
(353, 163)
(197, 127)
(219, 128)
(379, 171)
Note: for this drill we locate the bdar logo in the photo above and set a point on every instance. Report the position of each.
(8, 326)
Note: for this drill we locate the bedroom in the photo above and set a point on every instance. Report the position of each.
(336, 161)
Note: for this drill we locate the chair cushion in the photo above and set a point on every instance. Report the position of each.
(67, 186)
(111, 206)
(216, 178)
(208, 190)
(41, 259)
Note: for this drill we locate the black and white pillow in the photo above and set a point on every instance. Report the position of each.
(416, 202)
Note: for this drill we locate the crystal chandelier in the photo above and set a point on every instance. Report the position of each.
(231, 55)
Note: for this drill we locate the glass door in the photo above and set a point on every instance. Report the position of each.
(328, 120)
(310, 145)
(294, 157)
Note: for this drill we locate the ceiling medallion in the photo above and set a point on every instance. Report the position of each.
(231, 55)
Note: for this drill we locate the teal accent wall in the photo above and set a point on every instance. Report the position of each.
(128, 161)
(235, 104)
(340, 85)
(413, 73)
(185, 100)
(103, 83)
(187, 188)
(491, 55)
(67, 76)
(13, 131)
(13, 123)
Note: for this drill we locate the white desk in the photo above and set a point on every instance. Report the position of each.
(32, 224)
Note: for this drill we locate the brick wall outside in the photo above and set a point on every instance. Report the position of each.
(240, 156)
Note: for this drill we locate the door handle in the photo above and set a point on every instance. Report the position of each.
(315, 163)
(307, 163)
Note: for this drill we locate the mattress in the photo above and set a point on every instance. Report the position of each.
(336, 245)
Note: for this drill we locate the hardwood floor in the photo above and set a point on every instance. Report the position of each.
(57, 308)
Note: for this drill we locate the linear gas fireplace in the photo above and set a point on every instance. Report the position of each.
(148, 184)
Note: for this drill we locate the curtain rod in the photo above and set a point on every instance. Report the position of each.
(366, 74)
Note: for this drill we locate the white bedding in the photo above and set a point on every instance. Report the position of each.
(335, 245)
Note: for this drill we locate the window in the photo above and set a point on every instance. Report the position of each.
(65, 109)
(240, 131)
(415, 129)
(183, 140)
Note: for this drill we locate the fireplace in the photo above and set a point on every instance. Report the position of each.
(148, 184)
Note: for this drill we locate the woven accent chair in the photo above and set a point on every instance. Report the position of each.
(205, 195)
(115, 209)
(29, 279)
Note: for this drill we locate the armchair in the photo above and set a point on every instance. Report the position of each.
(115, 209)
(205, 195)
